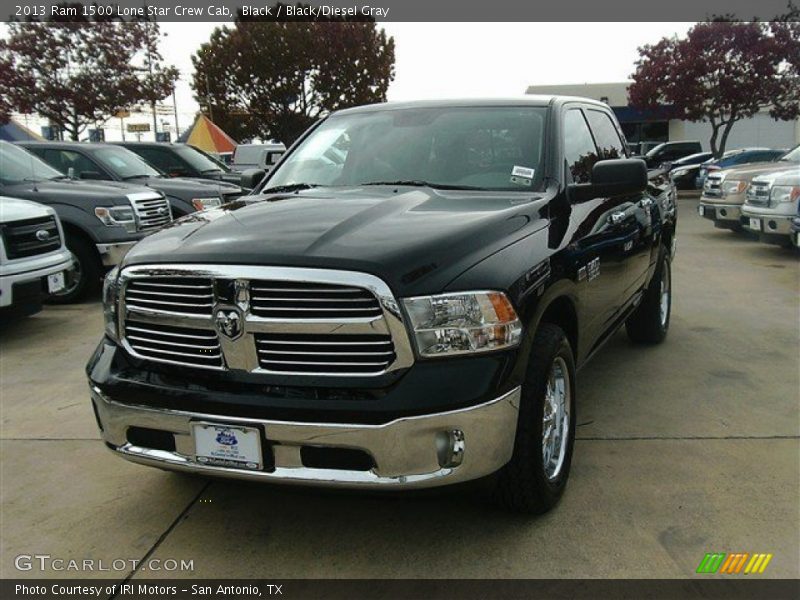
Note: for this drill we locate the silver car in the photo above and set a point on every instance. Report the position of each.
(771, 204)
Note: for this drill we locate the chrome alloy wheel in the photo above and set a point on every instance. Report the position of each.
(556, 418)
(665, 294)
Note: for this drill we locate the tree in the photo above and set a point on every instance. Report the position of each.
(722, 72)
(5, 102)
(78, 74)
(274, 79)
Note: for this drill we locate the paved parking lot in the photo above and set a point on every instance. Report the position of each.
(686, 448)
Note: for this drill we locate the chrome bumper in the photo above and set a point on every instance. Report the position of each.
(112, 254)
(407, 452)
(720, 212)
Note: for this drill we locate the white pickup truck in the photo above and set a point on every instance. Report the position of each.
(34, 262)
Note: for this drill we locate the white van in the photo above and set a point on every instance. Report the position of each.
(257, 156)
(34, 262)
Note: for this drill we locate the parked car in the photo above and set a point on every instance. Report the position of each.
(771, 206)
(34, 261)
(683, 171)
(403, 319)
(724, 191)
(667, 152)
(182, 160)
(107, 162)
(100, 221)
(796, 228)
(733, 158)
(257, 156)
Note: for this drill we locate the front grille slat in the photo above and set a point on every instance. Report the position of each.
(174, 295)
(367, 354)
(301, 300)
(20, 237)
(758, 193)
(178, 345)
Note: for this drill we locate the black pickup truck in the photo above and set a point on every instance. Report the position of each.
(403, 304)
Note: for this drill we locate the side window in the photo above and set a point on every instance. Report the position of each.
(609, 145)
(162, 160)
(579, 150)
(64, 160)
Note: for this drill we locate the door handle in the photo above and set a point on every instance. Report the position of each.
(616, 217)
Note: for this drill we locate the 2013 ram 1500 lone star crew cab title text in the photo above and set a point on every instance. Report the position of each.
(402, 303)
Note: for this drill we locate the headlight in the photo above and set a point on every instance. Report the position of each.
(463, 323)
(117, 216)
(733, 186)
(783, 193)
(204, 203)
(110, 297)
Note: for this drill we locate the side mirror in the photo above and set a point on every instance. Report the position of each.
(91, 175)
(615, 177)
(251, 178)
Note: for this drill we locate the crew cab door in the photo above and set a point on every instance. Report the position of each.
(604, 230)
(633, 218)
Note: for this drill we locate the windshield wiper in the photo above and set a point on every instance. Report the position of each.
(211, 171)
(60, 177)
(135, 176)
(292, 187)
(420, 183)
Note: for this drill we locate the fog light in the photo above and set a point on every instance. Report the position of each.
(723, 212)
(450, 448)
(772, 225)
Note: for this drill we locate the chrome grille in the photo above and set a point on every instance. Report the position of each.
(285, 321)
(153, 212)
(713, 186)
(298, 300)
(177, 345)
(22, 238)
(173, 295)
(314, 353)
(758, 193)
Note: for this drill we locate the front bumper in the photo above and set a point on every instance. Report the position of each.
(723, 214)
(20, 287)
(112, 254)
(409, 452)
(770, 224)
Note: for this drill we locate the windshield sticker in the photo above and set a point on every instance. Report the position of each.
(521, 175)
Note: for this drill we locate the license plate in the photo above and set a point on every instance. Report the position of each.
(55, 282)
(700, 210)
(755, 224)
(228, 446)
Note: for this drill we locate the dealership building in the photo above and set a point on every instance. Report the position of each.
(655, 125)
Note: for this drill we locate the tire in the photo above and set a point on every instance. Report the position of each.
(88, 270)
(649, 323)
(526, 484)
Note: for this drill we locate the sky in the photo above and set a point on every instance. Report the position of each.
(450, 60)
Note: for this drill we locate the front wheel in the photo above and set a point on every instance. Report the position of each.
(88, 270)
(649, 323)
(535, 477)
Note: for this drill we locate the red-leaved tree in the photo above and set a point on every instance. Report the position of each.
(722, 72)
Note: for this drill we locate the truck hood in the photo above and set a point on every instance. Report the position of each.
(188, 188)
(14, 209)
(415, 239)
(787, 177)
(747, 172)
(78, 192)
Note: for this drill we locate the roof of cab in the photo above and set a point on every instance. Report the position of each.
(527, 100)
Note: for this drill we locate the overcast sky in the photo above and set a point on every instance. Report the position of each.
(447, 60)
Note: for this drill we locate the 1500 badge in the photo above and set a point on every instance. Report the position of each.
(590, 271)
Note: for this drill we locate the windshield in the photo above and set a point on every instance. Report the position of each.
(491, 148)
(792, 155)
(198, 160)
(123, 163)
(18, 165)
